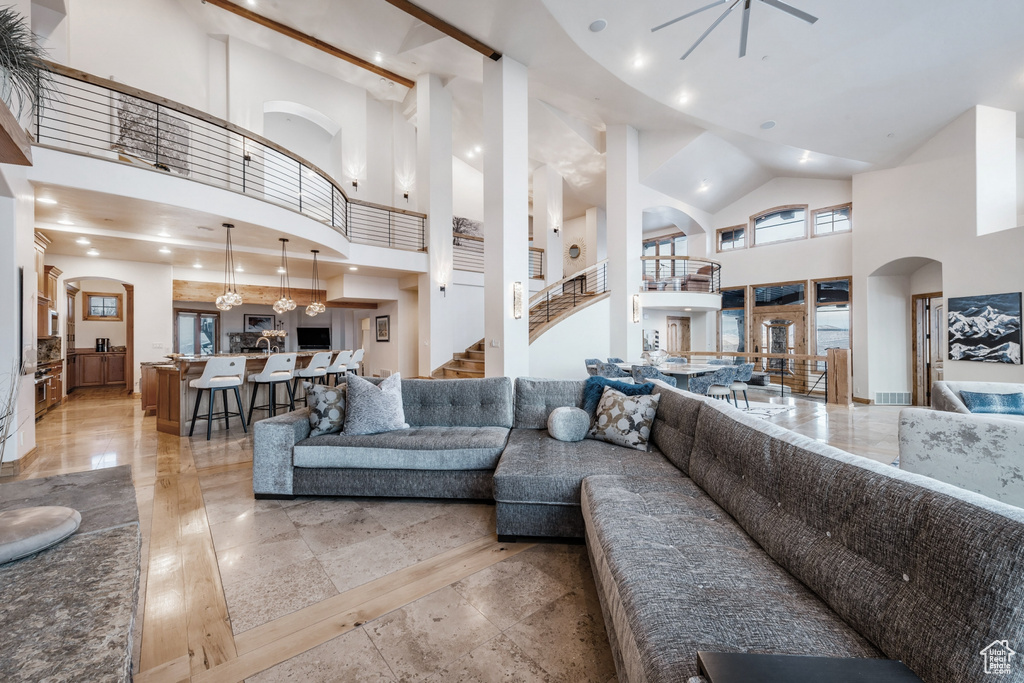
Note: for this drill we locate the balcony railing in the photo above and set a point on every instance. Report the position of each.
(99, 117)
(561, 299)
(680, 274)
(468, 255)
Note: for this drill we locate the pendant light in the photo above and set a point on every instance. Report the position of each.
(230, 297)
(315, 305)
(285, 303)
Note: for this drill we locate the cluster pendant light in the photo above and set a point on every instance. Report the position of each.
(230, 297)
(315, 305)
(285, 303)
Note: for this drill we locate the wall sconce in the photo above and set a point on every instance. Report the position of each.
(636, 308)
(443, 290)
(405, 195)
(517, 300)
(355, 184)
(556, 229)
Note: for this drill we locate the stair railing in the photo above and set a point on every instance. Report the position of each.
(680, 274)
(568, 293)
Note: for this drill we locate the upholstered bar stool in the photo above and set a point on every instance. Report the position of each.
(338, 368)
(316, 370)
(220, 374)
(357, 359)
(279, 369)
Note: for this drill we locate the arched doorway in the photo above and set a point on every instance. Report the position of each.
(99, 333)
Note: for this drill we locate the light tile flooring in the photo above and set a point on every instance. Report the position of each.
(349, 589)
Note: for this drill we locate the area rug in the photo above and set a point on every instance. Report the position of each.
(765, 411)
(67, 612)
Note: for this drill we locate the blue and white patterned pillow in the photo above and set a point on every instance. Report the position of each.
(326, 408)
(374, 408)
(999, 404)
(624, 420)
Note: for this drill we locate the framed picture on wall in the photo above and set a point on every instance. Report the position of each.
(383, 328)
(985, 328)
(258, 322)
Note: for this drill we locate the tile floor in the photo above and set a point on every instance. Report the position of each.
(533, 616)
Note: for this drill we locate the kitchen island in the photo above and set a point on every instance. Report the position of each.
(175, 399)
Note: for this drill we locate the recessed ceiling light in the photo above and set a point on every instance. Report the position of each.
(163, 233)
(353, 268)
(806, 157)
(598, 25)
(165, 250)
(46, 200)
(638, 62)
(687, 309)
(239, 269)
(281, 270)
(470, 154)
(684, 98)
(252, 3)
(704, 185)
(65, 221)
(378, 58)
(478, 149)
(197, 265)
(768, 125)
(82, 240)
(92, 252)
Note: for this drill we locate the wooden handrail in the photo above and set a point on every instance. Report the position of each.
(463, 236)
(77, 75)
(539, 295)
(680, 258)
(537, 249)
(755, 354)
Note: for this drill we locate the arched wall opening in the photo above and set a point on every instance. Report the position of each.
(897, 350)
(307, 133)
(83, 331)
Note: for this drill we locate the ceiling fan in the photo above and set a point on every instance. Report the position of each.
(778, 4)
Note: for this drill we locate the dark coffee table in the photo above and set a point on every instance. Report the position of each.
(740, 667)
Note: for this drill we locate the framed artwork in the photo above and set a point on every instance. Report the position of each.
(258, 322)
(383, 328)
(985, 328)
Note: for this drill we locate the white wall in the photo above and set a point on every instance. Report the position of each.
(400, 354)
(559, 353)
(467, 191)
(467, 294)
(657, 319)
(86, 331)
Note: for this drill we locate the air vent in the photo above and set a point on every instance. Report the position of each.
(386, 373)
(893, 398)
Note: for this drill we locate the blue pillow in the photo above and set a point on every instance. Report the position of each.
(1002, 404)
(594, 388)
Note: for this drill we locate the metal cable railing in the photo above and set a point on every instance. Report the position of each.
(781, 374)
(567, 294)
(468, 255)
(680, 274)
(102, 118)
(536, 263)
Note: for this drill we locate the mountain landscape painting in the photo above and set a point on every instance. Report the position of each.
(985, 328)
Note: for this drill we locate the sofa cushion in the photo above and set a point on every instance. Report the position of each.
(536, 398)
(675, 424)
(372, 409)
(326, 408)
(624, 420)
(927, 572)
(538, 469)
(417, 448)
(593, 390)
(458, 402)
(997, 404)
(676, 574)
(568, 424)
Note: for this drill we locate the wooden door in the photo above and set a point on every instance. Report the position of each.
(115, 369)
(928, 312)
(783, 329)
(678, 341)
(90, 370)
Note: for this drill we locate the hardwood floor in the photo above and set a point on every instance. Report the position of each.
(237, 589)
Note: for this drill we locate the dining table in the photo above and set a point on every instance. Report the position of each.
(681, 371)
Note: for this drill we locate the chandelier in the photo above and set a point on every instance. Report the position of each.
(230, 297)
(285, 302)
(315, 305)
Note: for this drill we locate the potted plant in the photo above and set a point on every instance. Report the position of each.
(24, 78)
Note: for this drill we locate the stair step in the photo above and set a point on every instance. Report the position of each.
(452, 373)
(463, 364)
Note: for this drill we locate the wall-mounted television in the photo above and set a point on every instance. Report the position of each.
(314, 337)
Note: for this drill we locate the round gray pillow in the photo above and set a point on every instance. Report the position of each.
(568, 424)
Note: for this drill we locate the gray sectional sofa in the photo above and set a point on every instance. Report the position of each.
(732, 534)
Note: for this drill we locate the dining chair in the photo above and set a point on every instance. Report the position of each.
(743, 375)
(592, 364)
(610, 370)
(645, 373)
(719, 361)
(721, 383)
(615, 360)
(222, 373)
(676, 359)
(701, 384)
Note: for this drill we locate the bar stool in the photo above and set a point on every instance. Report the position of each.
(316, 370)
(278, 370)
(220, 374)
(357, 358)
(337, 368)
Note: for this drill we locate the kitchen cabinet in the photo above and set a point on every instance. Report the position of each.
(149, 387)
(100, 369)
(71, 376)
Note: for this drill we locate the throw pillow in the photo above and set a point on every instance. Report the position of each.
(374, 408)
(625, 420)
(568, 424)
(593, 389)
(1000, 404)
(326, 408)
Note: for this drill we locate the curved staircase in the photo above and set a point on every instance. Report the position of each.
(557, 302)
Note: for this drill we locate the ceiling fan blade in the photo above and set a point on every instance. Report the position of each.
(688, 15)
(744, 28)
(711, 28)
(789, 9)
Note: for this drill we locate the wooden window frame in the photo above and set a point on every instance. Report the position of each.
(744, 308)
(775, 209)
(814, 305)
(814, 223)
(199, 312)
(752, 300)
(718, 239)
(86, 296)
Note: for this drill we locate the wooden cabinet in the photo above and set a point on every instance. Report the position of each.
(71, 374)
(99, 369)
(148, 385)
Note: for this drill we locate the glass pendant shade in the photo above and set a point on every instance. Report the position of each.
(315, 305)
(230, 297)
(285, 303)
(223, 303)
(312, 310)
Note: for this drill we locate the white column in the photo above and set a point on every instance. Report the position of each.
(434, 197)
(625, 237)
(548, 217)
(506, 218)
(597, 235)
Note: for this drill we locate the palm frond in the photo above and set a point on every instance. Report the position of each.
(24, 77)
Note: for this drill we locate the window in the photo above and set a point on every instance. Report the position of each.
(782, 224)
(102, 306)
(660, 269)
(831, 315)
(833, 219)
(731, 238)
(196, 332)
(791, 294)
(732, 321)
